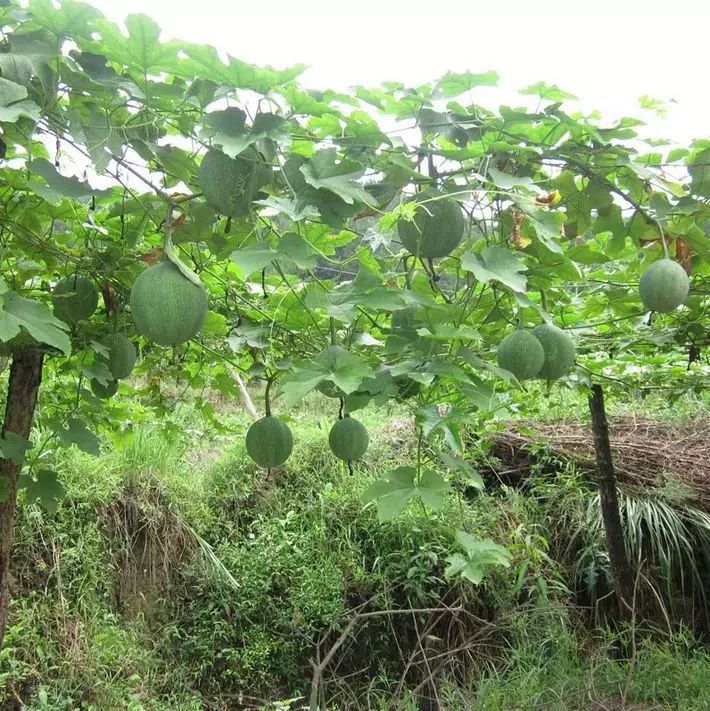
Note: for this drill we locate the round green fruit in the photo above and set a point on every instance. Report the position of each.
(122, 355)
(522, 354)
(104, 391)
(231, 184)
(269, 442)
(559, 351)
(664, 286)
(437, 228)
(348, 439)
(167, 308)
(74, 299)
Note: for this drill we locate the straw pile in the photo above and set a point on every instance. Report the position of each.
(647, 453)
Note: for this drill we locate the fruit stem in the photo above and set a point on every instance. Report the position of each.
(169, 251)
(267, 395)
(663, 240)
(543, 298)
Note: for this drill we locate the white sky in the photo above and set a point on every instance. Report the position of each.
(606, 52)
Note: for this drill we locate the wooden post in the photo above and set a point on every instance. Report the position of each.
(23, 386)
(609, 501)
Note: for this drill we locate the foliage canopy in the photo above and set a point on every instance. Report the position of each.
(291, 205)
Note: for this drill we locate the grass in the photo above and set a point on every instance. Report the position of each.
(179, 577)
(567, 673)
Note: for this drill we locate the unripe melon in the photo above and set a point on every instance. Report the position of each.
(167, 308)
(559, 351)
(348, 439)
(269, 442)
(437, 228)
(104, 391)
(74, 299)
(522, 354)
(122, 355)
(230, 184)
(664, 286)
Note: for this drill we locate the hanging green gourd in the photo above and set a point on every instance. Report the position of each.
(269, 440)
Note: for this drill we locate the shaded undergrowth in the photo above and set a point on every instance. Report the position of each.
(181, 578)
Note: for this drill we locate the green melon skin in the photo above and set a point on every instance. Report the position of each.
(559, 351)
(231, 184)
(348, 439)
(74, 299)
(522, 354)
(437, 228)
(664, 286)
(269, 442)
(167, 308)
(104, 391)
(122, 355)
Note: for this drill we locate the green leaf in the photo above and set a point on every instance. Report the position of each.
(496, 264)
(60, 186)
(479, 556)
(17, 313)
(392, 492)
(204, 62)
(73, 18)
(12, 112)
(294, 210)
(699, 169)
(16, 68)
(44, 488)
(547, 224)
(14, 448)
(253, 258)
(550, 92)
(453, 84)
(298, 250)
(305, 376)
(98, 368)
(505, 181)
(398, 486)
(215, 324)
(10, 92)
(142, 48)
(339, 177)
(232, 136)
(79, 434)
(463, 468)
(176, 162)
(480, 364)
(432, 489)
(334, 364)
